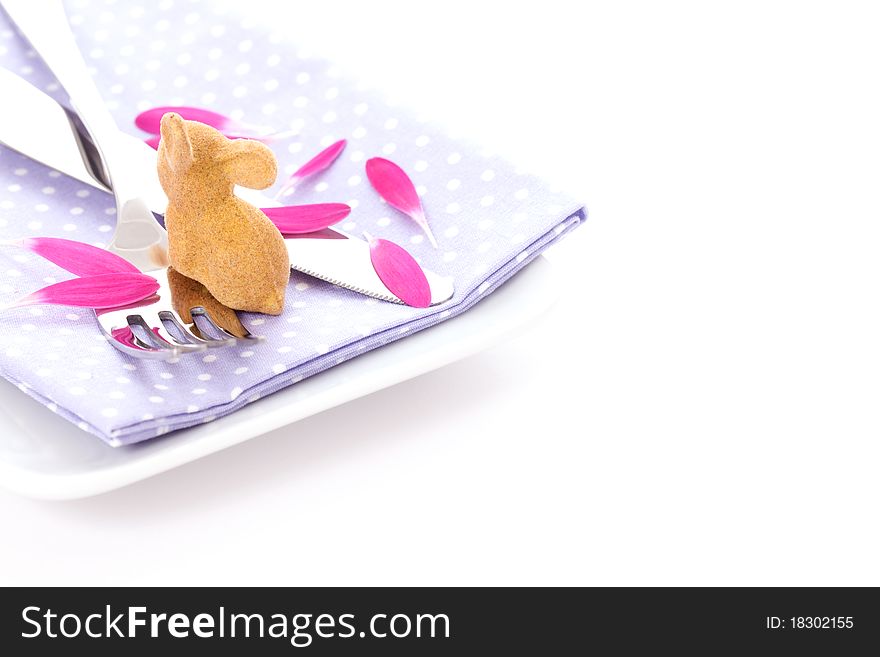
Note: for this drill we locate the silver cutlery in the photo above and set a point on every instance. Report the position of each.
(152, 329)
(38, 127)
(107, 157)
(44, 24)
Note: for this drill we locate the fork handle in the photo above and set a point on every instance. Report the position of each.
(44, 24)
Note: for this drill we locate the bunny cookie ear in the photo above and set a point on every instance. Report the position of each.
(175, 141)
(249, 163)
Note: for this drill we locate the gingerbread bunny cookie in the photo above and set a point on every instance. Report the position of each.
(214, 237)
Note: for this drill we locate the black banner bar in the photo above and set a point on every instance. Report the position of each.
(438, 621)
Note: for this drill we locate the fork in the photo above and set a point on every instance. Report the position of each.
(155, 330)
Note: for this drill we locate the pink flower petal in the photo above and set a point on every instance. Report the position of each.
(76, 257)
(153, 141)
(326, 234)
(317, 164)
(400, 273)
(398, 190)
(126, 337)
(140, 303)
(299, 219)
(103, 291)
(150, 120)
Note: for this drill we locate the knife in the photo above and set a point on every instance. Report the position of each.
(35, 125)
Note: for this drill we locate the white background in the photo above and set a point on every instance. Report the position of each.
(701, 408)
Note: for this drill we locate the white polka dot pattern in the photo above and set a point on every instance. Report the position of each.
(490, 219)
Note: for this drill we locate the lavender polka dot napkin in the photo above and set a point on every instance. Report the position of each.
(490, 220)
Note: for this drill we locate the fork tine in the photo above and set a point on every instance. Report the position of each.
(177, 330)
(212, 341)
(134, 348)
(144, 334)
(208, 327)
(182, 334)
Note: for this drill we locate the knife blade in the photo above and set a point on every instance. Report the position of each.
(35, 125)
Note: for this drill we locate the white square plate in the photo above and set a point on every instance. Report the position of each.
(44, 456)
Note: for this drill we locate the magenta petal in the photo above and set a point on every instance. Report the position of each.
(326, 234)
(319, 163)
(237, 135)
(76, 257)
(298, 219)
(400, 272)
(149, 120)
(153, 141)
(126, 336)
(398, 190)
(103, 291)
